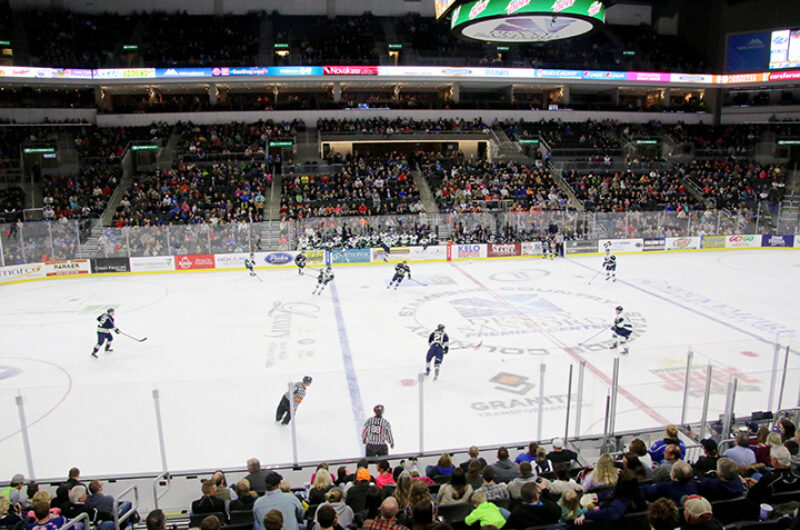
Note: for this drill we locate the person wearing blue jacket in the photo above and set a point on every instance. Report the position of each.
(657, 449)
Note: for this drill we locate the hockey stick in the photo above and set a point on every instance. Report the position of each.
(595, 276)
(131, 337)
(418, 282)
(593, 336)
(472, 346)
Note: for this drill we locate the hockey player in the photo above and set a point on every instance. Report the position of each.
(610, 265)
(386, 250)
(400, 272)
(324, 278)
(104, 328)
(300, 261)
(250, 264)
(546, 249)
(292, 400)
(622, 329)
(438, 346)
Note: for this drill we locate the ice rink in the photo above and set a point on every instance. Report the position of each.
(222, 347)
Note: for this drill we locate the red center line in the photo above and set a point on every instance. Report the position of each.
(556, 341)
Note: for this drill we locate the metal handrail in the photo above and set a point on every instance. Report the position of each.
(134, 506)
(73, 523)
(157, 482)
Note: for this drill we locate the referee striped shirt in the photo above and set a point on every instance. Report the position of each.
(377, 431)
(299, 393)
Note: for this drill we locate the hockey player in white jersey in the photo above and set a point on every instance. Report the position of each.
(610, 265)
(324, 278)
(250, 264)
(622, 329)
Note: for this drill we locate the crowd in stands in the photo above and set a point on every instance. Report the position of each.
(12, 202)
(84, 195)
(660, 487)
(733, 184)
(339, 41)
(363, 186)
(189, 194)
(630, 190)
(385, 126)
(248, 138)
(108, 143)
(12, 137)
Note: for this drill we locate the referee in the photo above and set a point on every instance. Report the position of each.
(377, 433)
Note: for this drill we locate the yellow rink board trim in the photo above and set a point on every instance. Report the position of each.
(578, 255)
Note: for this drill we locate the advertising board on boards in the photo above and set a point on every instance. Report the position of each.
(743, 241)
(778, 241)
(683, 243)
(26, 271)
(435, 252)
(190, 262)
(530, 248)
(578, 246)
(153, 264)
(68, 267)
(499, 250)
(351, 255)
(713, 242)
(621, 245)
(104, 265)
(470, 251)
(658, 243)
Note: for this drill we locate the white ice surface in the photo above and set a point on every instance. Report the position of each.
(222, 347)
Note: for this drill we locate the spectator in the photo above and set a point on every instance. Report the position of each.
(156, 520)
(321, 485)
(385, 476)
(631, 461)
(357, 493)
(456, 490)
(663, 514)
(344, 513)
(14, 491)
(386, 520)
(322, 468)
(625, 498)
(443, 467)
(778, 480)
(422, 516)
(603, 476)
(44, 521)
(403, 490)
(680, 484)
(105, 503)
(290, 507)
(505, 470)
(474, 455)
(672, 453)
(741, 452)
(528, 455)
(786, 428)
(473, 475)
(223, 491)
(698, 514)
(256, 476)
(560, 455)
(489, 488)
(726, 485)
(77, 506)
(638, 447)
(570, 506)
(671, 438)
(525, 475)
(273, 520)
(707, 462)
(794, 449)
(562, 482)
(62, 493)
(9, 514)
(210, 522)
(372, 502)
(762, 447)
(245, 497)
(209, 502)
(326, 518)
(484, 512)
(534, 510)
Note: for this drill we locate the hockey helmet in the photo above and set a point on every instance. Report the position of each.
(378, 410)
(110, 310)
(440, 326)
(405, 261)
(307, 380)
(619, 308)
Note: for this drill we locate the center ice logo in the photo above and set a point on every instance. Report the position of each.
(527, 304)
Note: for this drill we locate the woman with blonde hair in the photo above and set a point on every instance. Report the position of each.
(322, 484)
(603, 476)
(419, 492)
(570, 506)
(403, 489)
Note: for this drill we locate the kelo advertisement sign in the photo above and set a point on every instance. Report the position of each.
(191, 262)
(470, 251)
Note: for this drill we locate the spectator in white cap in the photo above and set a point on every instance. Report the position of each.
(559, 455)
(698, 514)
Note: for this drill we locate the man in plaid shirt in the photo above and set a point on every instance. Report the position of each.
(386, 519)
(377, 433)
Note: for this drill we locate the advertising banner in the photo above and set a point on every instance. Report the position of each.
(401, 253)
(191, 262)
(183, 72)
(436, 252)
(470, 251)
(691, 78)
(350, 70)
(659, 243)
(277, 258)
(777, 241)
(713, 242)
(621, 245)
(499, 250)
(745, 241)
(125, 73)
(230, 261)
(245, 71)
(27, 271)
(579, 246)
(44, 73)
(351, 255)
(533, 248)
(153, 264)
(683, 243)
(656, 77)
(792, 75)
(603, 75)
(315, 257)
(296, 70)
(101, 265)
(67, 267)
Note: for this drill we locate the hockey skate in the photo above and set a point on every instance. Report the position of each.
(94, 354)
(109, 350)
(614, 346)
(625, 350)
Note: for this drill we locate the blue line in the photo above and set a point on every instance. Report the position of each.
(349, 368)
(686, 308)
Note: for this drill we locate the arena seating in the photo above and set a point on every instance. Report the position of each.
(732, 184)
(201, 140)
(84, 195)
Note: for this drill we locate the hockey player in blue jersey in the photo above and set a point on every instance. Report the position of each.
(250, 264)
(400, 272)
(300, 261)
(610, 265)
(438, 346)
(622, 329)
(324, 278)
(104, 328)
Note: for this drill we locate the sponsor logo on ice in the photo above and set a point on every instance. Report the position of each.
(514, 383)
